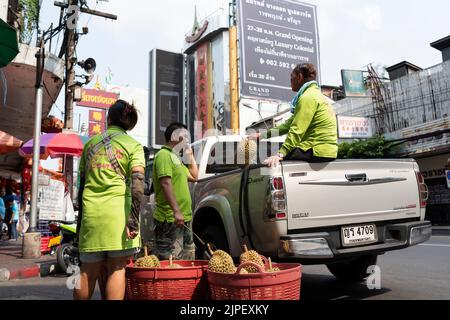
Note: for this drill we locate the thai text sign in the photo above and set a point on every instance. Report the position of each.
(354, 128)
(51, 201)
(275, 36)
(97, 99)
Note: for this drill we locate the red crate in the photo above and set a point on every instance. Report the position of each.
(282, 285)
(187, 283)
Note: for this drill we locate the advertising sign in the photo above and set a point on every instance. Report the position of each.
(97, 116)
(96, 128)
(353, 82)
(354, 128)
(97, 99)
(166, 93)
(202, 88)
(275, 36)
(51, 201)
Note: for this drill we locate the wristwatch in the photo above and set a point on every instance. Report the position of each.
(280, 155)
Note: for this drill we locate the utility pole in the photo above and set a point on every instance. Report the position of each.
(70, 36)
(32, 239)
(70, 39)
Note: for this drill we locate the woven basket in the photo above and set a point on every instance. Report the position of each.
(187, 283)
(282, 285)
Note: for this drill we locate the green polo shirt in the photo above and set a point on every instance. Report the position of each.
(168, 164)
(313, 126)
(106, 197)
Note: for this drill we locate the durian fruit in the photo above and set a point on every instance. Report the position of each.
(221, 262)
(173, 265)
(251, 256)
(147, 261)
(243, 271)
(272, 268)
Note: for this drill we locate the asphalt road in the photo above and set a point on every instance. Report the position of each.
(417, 273)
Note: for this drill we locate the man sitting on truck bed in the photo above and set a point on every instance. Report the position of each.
(312, 129)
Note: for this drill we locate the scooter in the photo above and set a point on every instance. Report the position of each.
(63, 244)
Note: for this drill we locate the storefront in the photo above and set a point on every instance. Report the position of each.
(434, 171)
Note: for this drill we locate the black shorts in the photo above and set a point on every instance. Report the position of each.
(308, 156)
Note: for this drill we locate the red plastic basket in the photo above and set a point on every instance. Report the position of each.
(187, 283)
(282, 285)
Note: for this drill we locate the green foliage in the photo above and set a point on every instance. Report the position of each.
(373, 148)
(29, 10)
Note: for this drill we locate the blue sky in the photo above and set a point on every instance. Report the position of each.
(353, 33)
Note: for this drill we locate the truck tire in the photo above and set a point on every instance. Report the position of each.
(354, 270)
(214, 235)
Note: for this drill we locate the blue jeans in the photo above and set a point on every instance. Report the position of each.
(12, 230)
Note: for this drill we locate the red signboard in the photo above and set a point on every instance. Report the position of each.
(97, 116)
(202, 88)
(96, 128)
(97, 99)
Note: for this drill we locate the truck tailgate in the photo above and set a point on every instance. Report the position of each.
(349, 192)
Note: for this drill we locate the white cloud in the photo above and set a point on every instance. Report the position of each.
(369, 16)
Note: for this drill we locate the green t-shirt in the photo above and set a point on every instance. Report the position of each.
(168, 164)
(106, 197)
(313, 126)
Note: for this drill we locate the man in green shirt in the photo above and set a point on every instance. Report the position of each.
(173, 198)
(312, 129)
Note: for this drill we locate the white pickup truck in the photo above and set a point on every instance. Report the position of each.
(343, 213)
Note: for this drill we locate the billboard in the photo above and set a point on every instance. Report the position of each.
(353, 83)
(166, 93)
(354, 128)
(97, 99)
(275, 36)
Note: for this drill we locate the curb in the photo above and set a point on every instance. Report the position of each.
(38, 270)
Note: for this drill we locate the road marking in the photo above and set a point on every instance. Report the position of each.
(434, 245)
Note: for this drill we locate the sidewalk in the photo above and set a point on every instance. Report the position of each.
(12, 266)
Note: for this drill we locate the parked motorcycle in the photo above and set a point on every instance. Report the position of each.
(63, 244)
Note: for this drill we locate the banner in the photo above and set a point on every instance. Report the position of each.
(202, 88)
(97, 99)
(354, 128)
(51, 200)
(275, 36)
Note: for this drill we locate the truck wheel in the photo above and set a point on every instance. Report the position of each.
(216, 237)
(354, 270)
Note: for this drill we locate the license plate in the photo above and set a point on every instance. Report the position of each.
(54, 241)
(359, 235)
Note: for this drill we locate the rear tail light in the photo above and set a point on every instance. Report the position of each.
(423, 190)
(278, 199)
(277, 183)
